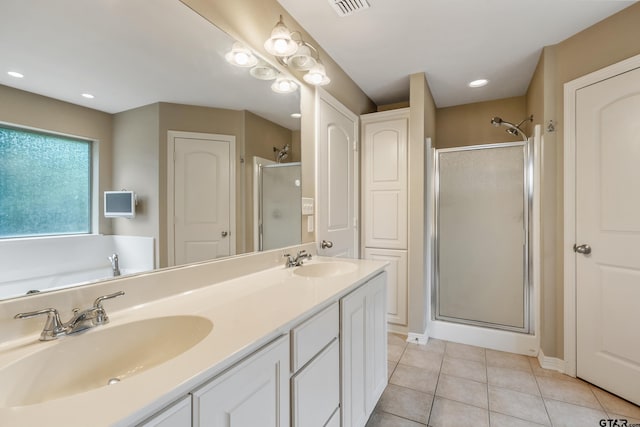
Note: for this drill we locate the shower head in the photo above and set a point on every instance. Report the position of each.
(511, 128)
(282, 153)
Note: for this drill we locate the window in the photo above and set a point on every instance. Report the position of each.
(45, 184)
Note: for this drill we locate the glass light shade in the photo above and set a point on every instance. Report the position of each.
(263, 71)
(240, 56)
(303, 59)
(284, 85)
(280, 43)
(317, 75)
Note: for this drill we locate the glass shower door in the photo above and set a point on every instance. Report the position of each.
(482, 236)
(280, 212)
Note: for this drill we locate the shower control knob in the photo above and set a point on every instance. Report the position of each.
(582, 249)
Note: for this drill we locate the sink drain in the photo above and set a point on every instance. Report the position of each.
(113, 381)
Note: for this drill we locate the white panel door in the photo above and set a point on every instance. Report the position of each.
(608, 220)
(204, 206)
(337, 179)
(385, 183)
(397, 282)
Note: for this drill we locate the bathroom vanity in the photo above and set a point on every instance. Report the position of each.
(260, 344)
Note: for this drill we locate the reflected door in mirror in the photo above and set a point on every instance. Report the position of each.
(203, 192)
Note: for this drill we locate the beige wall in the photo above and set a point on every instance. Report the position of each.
(422, 124)
(136, 168)
(607, 42)
(40, 112)
(470, 124)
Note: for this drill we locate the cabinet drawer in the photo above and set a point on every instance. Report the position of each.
(313, 335)
(316, 389)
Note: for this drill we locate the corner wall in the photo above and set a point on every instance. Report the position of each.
(422, 124)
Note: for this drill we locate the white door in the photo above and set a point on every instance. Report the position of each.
(337, 178)
(385, 183)
(608, 220)
(203, 196)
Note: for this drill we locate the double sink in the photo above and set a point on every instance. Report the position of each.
(104, 357)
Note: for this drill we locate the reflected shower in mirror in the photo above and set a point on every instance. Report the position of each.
(122, 76)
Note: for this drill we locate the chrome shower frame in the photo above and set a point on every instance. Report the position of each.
(528, 292)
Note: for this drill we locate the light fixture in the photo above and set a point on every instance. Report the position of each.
(478, 83)
(292, 51)
(88, 96)
(241, 56)
(296, 115)
(15, 74)
(284, 85)
(263, 71)
(317, 75)
(303, 59)
(281, 43)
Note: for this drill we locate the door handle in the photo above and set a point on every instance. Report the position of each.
(326, 244)
(224, 234)
(582, 249)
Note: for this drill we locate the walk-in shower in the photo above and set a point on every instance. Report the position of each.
(483, 201)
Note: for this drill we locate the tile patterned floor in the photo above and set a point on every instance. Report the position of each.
(444, 384)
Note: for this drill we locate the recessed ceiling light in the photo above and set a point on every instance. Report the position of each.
(478, 83)
(15, 74)
(88, 95)
(296, 115)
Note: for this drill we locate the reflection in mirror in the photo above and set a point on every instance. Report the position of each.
(123, 76)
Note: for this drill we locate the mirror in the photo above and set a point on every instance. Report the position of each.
(152, 67)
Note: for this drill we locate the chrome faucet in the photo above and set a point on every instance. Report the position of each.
(297, 260)
(81, 320)
(114, 265)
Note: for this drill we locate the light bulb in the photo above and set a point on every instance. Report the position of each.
(241, 58)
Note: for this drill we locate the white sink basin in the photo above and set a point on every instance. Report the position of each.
(325, 269)
(87, 361)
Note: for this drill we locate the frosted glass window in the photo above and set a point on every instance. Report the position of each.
(45, 184)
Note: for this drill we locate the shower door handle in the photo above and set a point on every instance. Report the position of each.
(582, 249)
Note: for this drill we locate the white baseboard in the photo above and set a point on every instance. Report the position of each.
(552, 363)
(417, 338)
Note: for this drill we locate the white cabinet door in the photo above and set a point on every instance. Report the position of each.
(177, 415)
(397, 286)
(364, 355)
(253, 393)
(376, 340)
(385, 180)
(316, 389)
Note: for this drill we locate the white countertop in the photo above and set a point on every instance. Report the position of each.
(247, 312)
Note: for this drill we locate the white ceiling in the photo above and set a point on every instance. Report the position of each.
(452, 41)
(128, 53)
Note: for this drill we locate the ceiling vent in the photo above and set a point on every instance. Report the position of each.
(348, 7)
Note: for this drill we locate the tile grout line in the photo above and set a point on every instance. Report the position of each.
(486, 372)
(435, 390)
(544, 403)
